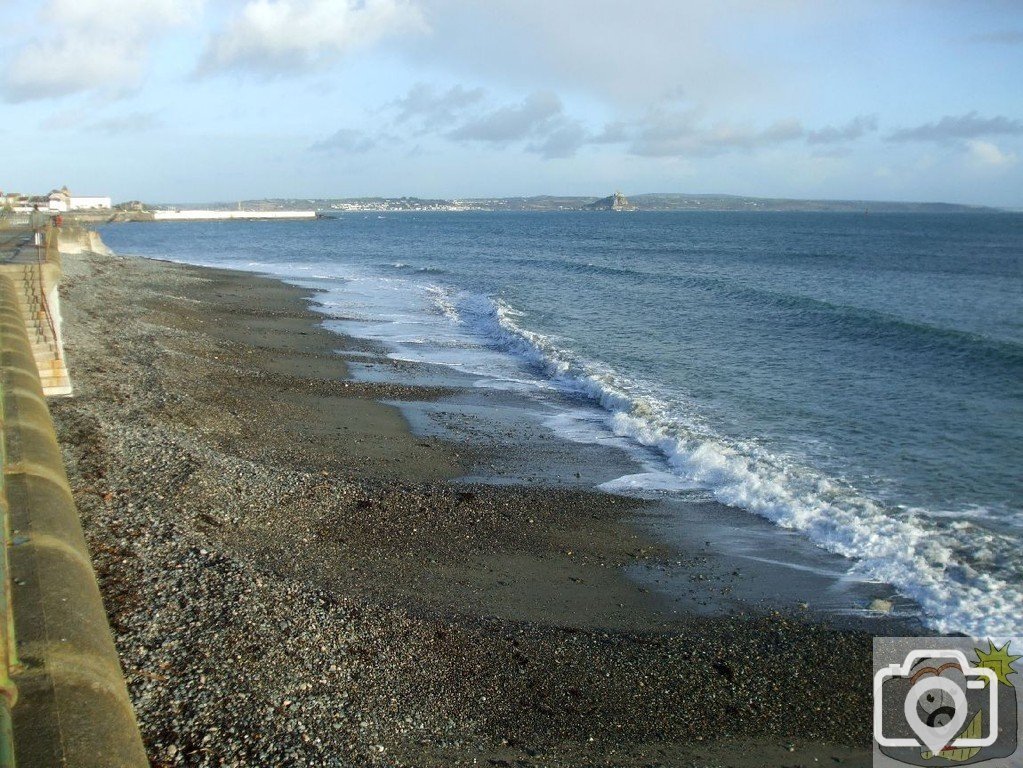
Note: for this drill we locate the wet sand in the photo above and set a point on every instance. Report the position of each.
(293, 577)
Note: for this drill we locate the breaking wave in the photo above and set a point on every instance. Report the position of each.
(929, 559)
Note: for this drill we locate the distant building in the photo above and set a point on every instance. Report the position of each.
(57, 201)
(19, 203)
(10, 199)
(62, 200)
(88, 203)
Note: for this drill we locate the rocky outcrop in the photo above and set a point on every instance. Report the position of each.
(616, 202)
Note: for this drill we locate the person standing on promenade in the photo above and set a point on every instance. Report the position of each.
(38, 221)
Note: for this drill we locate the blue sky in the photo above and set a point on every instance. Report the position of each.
(202, 100)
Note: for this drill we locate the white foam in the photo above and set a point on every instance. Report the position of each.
(644, 482)
(920, 561)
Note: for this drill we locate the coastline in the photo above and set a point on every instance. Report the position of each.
(268, 533)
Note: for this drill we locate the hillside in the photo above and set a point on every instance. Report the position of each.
(615, 202)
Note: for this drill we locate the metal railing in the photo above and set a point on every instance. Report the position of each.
(48, 253)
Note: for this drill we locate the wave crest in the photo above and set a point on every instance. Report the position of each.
(923, 561)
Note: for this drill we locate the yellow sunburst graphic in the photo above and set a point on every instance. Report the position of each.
(998, 660)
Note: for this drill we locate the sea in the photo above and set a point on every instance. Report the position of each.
(856, 379)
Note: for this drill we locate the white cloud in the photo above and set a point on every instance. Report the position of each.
(274, 37)
(988, 155)
(628, 55)
(123, 18)
(86, 45)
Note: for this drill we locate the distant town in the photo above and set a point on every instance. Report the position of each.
(57, 201)
(614, 202)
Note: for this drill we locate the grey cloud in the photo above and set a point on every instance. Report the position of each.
(540, 120)
(433, 109)
(613, 133)
(781, 131)
(345, 140)
(668, 134)
(953, 127)
(665, 133)
(832, 151)
(1004, 37)
(563, 141)
(854, 129)
(542, 126)
(534, 116)
(135, 122)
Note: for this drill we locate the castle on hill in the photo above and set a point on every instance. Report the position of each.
(616, 202)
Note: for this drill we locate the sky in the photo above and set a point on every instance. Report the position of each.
(222, 100)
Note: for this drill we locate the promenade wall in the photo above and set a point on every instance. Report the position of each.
(64, 699)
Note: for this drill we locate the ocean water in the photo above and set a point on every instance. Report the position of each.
(855, 378)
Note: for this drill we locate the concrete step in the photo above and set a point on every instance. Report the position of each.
(52, 370)
(58, 389)
(53, 373)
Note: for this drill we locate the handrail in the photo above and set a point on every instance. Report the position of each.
(50, 243)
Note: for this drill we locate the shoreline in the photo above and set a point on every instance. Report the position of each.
(245, 500)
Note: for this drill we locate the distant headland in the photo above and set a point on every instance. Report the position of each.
(100, 209)
(613, 202)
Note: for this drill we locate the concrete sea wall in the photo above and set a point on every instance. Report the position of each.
(69, 704)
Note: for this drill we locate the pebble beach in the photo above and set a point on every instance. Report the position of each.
(294, 578)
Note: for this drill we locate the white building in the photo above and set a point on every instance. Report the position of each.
(62, 201)
(58, 201)
(86, 203)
